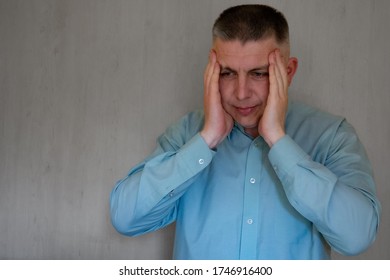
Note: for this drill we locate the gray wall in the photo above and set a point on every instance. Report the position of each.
(87, 86)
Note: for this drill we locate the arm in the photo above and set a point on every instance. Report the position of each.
(338, 195)
(147, 198)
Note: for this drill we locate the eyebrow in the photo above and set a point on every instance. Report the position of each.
(261, 68)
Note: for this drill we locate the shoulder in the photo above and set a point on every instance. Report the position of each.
(181, 131)
(189, 124)
(300, 111)
(304, 117)
(313, 129)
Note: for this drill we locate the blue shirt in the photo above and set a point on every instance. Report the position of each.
(312, 191)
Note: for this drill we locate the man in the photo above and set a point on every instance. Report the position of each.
(253, 176)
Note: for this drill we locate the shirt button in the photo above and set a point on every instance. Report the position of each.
(252, 180)
(249, 221)
(171, 194)
(201, 161)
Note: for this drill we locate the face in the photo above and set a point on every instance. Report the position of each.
(244, 81)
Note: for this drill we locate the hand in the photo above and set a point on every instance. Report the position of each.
(218, 123)
(272, 124)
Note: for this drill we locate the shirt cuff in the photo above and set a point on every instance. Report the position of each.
(196, 154)
(285, 154)
(191, 159)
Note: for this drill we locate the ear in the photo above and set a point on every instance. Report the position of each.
(292, 67)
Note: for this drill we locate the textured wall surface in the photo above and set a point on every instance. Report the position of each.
(87, 86)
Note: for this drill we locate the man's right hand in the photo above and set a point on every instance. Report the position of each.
(218, 123)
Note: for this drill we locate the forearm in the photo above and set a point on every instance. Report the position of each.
(132, 201)
(351, 220)
(342, 207)
(147, 198)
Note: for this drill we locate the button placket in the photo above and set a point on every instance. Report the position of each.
(251, 202)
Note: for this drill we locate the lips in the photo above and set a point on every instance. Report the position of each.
(245, 110)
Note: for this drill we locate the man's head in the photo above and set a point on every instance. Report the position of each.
(243, 39)
(251, 23)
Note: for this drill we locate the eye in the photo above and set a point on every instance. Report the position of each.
(259, 75)
(225, 74)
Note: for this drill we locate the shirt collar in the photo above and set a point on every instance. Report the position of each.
(237, 128)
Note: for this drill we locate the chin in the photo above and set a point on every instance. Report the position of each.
(248, 123)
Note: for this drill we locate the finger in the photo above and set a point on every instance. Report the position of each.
(209, 69)
(279, 80)
(274, 85)
(214, 80)
(277, 84)
(282, 71)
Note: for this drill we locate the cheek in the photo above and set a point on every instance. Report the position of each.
(265, 89)
(261, 89)
(226, 88)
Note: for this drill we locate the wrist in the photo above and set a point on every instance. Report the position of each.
(211, 141)
(273, 138)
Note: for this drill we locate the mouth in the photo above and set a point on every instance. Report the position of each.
(245, 110)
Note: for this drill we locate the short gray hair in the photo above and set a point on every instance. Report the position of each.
(251, 23)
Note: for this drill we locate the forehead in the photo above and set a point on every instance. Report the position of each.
(236, 55)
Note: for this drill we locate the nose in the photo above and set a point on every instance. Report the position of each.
(242, 90)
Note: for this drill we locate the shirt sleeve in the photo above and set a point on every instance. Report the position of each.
(337, 196)
(147, 198)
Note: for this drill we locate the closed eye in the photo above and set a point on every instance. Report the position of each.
(259, 75)
(226, 74)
